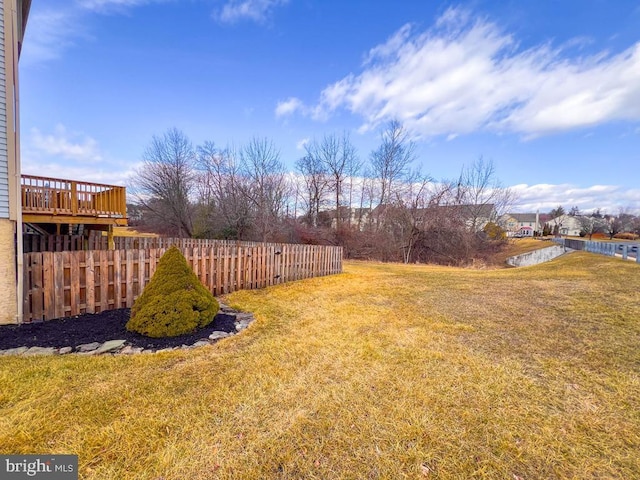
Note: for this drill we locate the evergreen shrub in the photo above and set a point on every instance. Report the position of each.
(174, 302)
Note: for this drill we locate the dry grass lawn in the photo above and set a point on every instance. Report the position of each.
(386, 371)
(131, 232)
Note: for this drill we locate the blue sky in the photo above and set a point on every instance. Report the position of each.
(548, 90)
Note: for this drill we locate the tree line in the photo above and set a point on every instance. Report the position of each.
(380, 207)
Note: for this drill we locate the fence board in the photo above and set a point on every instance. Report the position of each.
(47, 279)
(117, 278)
(37, 293)
(129, 266)
(90, 286)
(74, 275)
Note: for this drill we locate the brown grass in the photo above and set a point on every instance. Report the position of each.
(385, 371)
(131, 232)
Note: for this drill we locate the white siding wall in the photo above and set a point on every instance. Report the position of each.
(4, 160)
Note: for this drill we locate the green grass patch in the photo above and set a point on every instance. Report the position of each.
(385, 371)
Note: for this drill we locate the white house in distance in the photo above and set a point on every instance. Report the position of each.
(521, 224)
(567, 225)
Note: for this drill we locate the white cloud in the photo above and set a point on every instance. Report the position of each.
(66, 145)
(255, 10)
(608, 198)
(288, 106)
(465, 75)
(108, 176)
(50, 32)
(71, 155)
(300, 144)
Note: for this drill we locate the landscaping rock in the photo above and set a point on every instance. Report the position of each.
(165, 350)
(110, 346)
(65, 350)
(87, 354)
(226, 308)
(129, 350)
(218, 334)
(201, 343)
(88, 347)
(242, 324)
(14, 351)
(37, 351)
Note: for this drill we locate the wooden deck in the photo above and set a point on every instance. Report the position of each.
(58, 201)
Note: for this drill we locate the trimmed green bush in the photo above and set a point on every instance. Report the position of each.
(174, 302)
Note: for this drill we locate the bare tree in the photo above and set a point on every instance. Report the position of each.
(626, 220)
(590, 225)
(555, 220)
(337, 156)
(221, 189)
(612, 225)
(405, 217)
(354, 167)
(481, 193)
(390, 161)
(315, 182)
(165, 181)
(266, 185)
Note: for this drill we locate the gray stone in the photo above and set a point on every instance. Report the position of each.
(147, 351)
(110, 346)
(14, 351)
(65, 350)
(202, 343)
(226, 308)
(129, 350)
(36, 351)
(87, 354)
(165, 350)
(88, 347)
(242, 324)
(217, 334)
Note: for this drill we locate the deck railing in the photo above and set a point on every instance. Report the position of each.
(54, 196)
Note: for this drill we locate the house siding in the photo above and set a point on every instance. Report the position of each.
(4, 157)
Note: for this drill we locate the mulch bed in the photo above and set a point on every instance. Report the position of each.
(99, 327)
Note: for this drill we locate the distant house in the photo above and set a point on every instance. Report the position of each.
(475, 217)
(566, 225)
(358, 217)
(521, 224)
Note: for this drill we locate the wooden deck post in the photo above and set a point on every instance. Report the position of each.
(111, 244)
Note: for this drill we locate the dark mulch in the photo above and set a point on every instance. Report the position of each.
(99, 327)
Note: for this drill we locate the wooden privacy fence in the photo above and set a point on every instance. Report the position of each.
(59, 284)
(126, 243)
